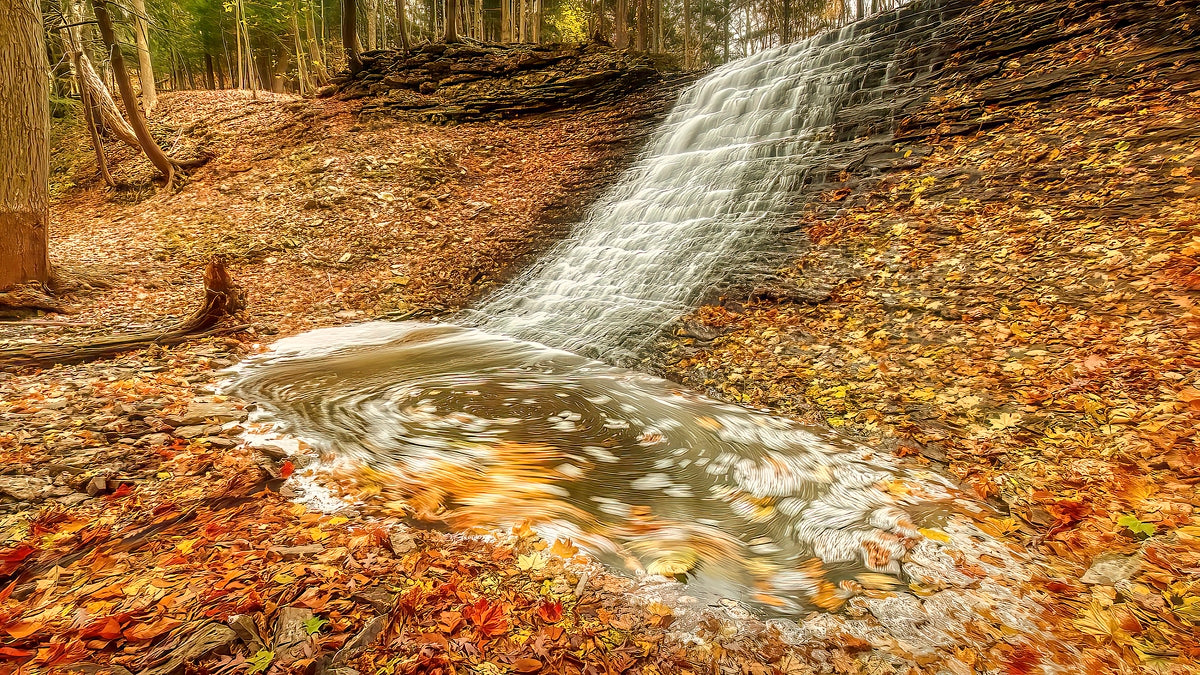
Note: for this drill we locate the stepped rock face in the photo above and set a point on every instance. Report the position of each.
(438, 82)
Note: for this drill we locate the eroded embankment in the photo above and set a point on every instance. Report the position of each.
(1013, 296)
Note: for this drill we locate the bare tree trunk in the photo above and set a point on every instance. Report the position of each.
(210, 76)
(314, 50)
(687, 34)
(641, 25)
(621, 25)
(24, 145)
(88, 99)
(350, 35)
(401, 25)
(109, 114)
(451, 22)
(370, 10)
(301, 66)
(505, 34)
(141, 35)
(149, 146)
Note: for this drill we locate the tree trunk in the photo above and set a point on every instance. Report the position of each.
(687, 34)
(505, 34)
(785, 22)
(350, 35)
(371, 12)
(109, 114)
(451, 22)
(210, 76)
(149, 146)
(641, 25)
(621, 25)
(89, 101)
(24, 145)
(141, 34)
(401, 25)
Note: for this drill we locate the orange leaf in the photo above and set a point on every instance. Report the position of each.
(23, 629)
(149, 631)
(11, 558)
(527, 665)
(287, 469)
(551, 612)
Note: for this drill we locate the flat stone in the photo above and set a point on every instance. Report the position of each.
(201, 642)
(194, 431)
(199, 413)
(290, 634)
(298, 551)
(24, 488)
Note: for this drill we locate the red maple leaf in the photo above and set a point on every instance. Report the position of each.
(487, 616)
(11, 558)
(551, 612)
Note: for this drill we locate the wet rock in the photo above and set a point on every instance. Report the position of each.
(200, 413)
(97, 485)
(23, 488)
(290, 552)
(74, 499)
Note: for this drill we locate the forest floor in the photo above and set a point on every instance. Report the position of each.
(135, 520)
(1022, 311)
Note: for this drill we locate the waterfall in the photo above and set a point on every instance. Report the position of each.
(709, 192)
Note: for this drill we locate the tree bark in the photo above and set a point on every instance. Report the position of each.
(687, 34)
(451, 34)
(350, 35)
(371, 12)
(149, 146)
(24, 145)
(89, 100)
(621, 25)
(401, 25)
(141, 35)
(641, 25)
(210, 76)
(110, 116)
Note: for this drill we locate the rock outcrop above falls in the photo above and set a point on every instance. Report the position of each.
(439, 82)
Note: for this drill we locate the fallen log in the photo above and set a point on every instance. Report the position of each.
(221, 299)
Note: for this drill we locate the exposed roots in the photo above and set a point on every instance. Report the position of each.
(221, 299)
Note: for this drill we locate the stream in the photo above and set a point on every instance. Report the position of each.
(517, 408)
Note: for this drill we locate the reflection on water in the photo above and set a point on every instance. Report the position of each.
(484, 431)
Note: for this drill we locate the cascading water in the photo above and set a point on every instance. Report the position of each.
(706, 197)
(486, 425)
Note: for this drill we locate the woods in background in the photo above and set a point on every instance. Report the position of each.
(295, 45)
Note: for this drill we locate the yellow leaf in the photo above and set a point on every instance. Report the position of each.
(935, 535)
(283, 579)
(563, 548)
(533, 561)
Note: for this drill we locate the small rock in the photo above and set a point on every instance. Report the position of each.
(401, 541)
(247, 631)
(290, 634)
(363, 639)
(199, 413)
(201, 642)
(74, 499)
(1108, 569)
(23, 488)
(219, 442)
(97, 485)
(151, 440)
(289, 552)
(194, 431)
